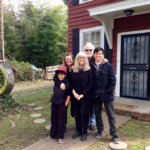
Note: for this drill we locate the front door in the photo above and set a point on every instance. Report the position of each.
(135, 66)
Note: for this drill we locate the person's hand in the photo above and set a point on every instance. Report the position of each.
(62, 86)
(66, 103)
(75, 94)
(81, 96)
(74, 69)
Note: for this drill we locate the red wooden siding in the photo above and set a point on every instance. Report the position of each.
(79, 17)
(127, 24)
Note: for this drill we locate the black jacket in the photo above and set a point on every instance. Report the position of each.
(59, 96)
(81, 82)
(104, 81)
(68, 77)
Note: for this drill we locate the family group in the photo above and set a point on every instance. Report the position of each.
(88, 83)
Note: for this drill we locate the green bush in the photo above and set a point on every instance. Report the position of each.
(22, 71)
(6, 103)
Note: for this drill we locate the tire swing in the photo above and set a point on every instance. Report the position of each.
(6, 73)
(6, 79)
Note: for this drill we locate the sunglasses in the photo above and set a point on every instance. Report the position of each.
(88, 50)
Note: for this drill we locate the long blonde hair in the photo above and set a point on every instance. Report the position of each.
(86, 65)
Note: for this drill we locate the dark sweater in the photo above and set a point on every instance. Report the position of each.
(59, 96)
(104, 81)
(81, 82)
(68, 78)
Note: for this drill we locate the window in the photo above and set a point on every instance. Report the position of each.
(84, 1)
(94, 35)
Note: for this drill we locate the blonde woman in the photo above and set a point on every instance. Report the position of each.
(81, 83)
(88, 49)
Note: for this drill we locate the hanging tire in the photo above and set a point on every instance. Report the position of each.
(6, 79)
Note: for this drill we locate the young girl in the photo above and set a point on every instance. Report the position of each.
(60, 101)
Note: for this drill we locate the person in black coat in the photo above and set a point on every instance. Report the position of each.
(59, 103)
(81, 83)
(104, 82)
(88, 49)
(68, 62)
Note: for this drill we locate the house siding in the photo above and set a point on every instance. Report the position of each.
(79, 17)
(127, 24)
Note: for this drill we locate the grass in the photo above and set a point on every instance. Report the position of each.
(17, 129)
(135, 133)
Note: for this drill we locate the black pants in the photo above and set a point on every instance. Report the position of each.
(81, 117)
(58, 121)
(110, 114)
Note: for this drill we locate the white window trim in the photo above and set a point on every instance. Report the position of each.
(100, 28)
(118, 73)
(81, 1)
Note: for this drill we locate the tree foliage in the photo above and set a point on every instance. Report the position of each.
(37, 36)
(12, 36)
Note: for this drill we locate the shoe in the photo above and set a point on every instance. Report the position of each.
(60, 141)
(83, 137)
(48, 138)
(92, 127)
(98, 135)
(115, 139)
(77, 134)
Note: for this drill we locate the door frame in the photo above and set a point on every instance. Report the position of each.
(118, 61)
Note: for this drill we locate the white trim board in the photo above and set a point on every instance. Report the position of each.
(127, 4)
(82, 2)
(118, 63)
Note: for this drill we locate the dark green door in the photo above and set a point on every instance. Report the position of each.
(135, 66)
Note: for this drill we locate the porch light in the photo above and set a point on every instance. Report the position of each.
(128, 12)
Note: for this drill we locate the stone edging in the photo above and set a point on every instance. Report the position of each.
(134, 114)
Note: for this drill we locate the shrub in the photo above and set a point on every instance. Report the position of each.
(22, 71)
(6, 102)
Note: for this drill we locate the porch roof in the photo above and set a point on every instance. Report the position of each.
(107, 13)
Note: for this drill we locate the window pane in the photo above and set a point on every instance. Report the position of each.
(86, 37)
(95, 38)
(91, 36)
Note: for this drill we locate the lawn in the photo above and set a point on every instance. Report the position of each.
(17, 129)
(135, 133)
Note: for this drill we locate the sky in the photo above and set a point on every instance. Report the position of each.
(37, 2)
(56, 2)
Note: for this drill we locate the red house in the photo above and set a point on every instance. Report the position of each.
(122, 28)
